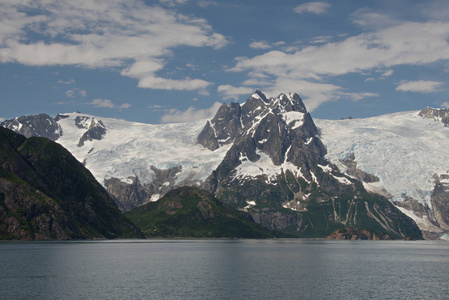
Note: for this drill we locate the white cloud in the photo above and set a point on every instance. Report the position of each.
(172, 3)
(232, 92)
(71, 81)
(206, 3)
(172, 84)
(102, 103)
(156, 106)
(313, 7)
(409, 43)
(373, 20)
(420, 86)
(359, 96)
(106, 103)
(321, 39)
(445, 104)
(191, 114)
(75, 92)
(387, 73)
(127, 34)
(124, 106)
(259, 45)
(2, 119)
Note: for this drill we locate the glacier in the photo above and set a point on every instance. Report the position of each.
(403, 150)
(131, 149)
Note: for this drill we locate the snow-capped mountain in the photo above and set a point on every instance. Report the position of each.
(268, 157)
(408, 152)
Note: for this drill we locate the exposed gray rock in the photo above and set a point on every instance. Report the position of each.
(95, 131)
(352, 170)
(438, 114)
(207, 137)
(440, 201)
(41, 125)
(128, 196)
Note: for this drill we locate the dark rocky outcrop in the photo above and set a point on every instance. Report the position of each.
(352, 170)
(45, 193)
(36, 125)
(95, 131)
(440, 201)
(438, 114)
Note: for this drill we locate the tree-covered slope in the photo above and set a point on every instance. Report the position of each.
(45, 193)
(192, 212)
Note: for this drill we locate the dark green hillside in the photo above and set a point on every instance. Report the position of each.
(45, 193)
(192, 212)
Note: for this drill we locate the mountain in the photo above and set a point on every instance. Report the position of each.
(192, 212)
(277, 171)
(45, 193)
(267, 156)
(405, 153)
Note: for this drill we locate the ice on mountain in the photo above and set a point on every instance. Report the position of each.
(133, 149)
(295, 117)
(403, 150)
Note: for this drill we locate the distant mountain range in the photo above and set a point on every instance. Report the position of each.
(269, 158)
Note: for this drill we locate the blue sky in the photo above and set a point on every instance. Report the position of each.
(177, 60)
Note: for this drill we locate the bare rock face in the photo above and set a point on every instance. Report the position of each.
(352, 170)
(438, 114)
(129, 195)
(440, 201)
(436, 215)
(95, 131)
(37, 125)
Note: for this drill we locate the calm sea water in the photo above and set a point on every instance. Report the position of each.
(225, 269)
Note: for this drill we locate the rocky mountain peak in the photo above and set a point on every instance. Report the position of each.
(275, 133)
(36, 125)
(282, 114)
(438, 114)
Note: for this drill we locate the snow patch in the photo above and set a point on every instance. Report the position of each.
(293, 118)
(155, 197)
(326, 169)
(265, 167)
(342, 180)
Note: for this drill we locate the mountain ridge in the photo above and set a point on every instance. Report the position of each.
(193, 161)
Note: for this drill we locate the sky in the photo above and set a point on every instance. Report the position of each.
(168, 61)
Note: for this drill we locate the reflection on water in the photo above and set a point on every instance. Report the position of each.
(225, 269)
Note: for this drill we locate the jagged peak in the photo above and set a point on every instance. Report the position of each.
(438, 114)
(259, 95)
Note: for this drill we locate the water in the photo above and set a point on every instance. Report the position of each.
(225, 269)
